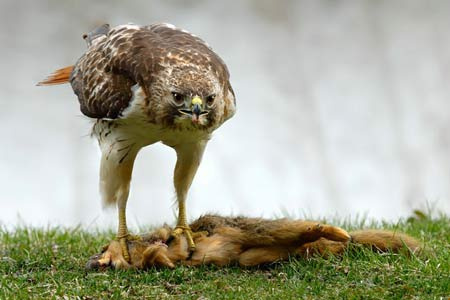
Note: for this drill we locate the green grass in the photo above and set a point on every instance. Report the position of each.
(49, 263)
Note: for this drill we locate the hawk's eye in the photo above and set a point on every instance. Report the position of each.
(210, 99)
(178, 98)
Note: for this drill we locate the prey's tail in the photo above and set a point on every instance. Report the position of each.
(384, 241)
(377, 240)
(60, 76)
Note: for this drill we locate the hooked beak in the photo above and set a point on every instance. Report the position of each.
(196, 109)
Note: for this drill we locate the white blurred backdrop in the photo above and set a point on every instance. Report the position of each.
(343, 109)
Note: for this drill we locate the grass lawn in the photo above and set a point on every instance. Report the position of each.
(49, 263)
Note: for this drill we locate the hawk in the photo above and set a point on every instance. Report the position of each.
(143, 85)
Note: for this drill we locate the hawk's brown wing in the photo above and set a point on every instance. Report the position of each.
(130, 54)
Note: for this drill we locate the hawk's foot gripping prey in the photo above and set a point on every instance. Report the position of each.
(190, 236)
(186, 230)
(123, 242)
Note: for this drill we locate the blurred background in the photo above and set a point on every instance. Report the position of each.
(343, 110)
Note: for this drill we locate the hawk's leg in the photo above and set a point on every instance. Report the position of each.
(189, 156)
(122, 233)
(118, 155)
(123, 236)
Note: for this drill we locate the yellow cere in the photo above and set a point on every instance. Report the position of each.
(197, 100)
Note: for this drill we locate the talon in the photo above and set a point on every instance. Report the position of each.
(186, 230)
(123, 240)
(124, 245)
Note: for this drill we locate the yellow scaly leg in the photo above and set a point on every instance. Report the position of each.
(183, 227)
(122, 234)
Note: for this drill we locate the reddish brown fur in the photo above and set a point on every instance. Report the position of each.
(248, 242)
(60, 76)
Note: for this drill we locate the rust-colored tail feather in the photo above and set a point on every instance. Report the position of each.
(60, 76)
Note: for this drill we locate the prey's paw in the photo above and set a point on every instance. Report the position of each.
(335, 233)
(111, 256)
(143, 255)
(156, 255)
(318, 230)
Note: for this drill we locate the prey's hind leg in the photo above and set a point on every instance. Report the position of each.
(315, 231)
(288, 233)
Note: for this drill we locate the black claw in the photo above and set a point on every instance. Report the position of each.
(169, 240)
(191, 252)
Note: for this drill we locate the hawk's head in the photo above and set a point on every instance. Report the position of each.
(185, 84)
(192, 96)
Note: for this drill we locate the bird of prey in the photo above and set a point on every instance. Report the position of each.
(143, 85)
